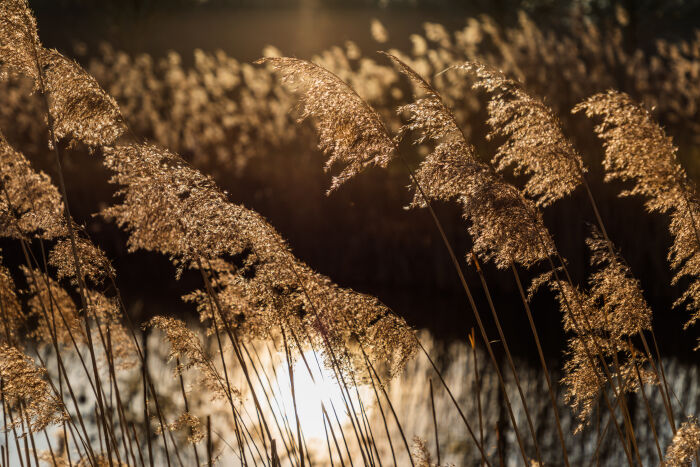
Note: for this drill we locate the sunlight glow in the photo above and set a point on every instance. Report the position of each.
(310, 394)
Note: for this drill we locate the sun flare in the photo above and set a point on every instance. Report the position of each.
(315, 386)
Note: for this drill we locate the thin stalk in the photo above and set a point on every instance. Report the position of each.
(146, 415)
(138, 445)
(328, 442)
(652, 425)
(454, 401)
(7, 410)
(337, 420)
(591, 358)
(509, 357)
(667, 400)
(381, 411)
(620, 396)
(236, 347)
(435, 426)
(294, 399)
(611, 250)
(187, 405)
(391, 406)
(210, 460)
(475, 365)
(269, 403)
(543, 362)
(335, 440)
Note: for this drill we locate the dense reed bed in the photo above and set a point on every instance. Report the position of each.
(286, 367)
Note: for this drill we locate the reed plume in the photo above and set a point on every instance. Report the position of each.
(24, 383)
(254, 286)
(78, 109)
(534, 143)
(613, 310)
(350, 132)
(192, 423)
(169, 207)
(54, 310)
(421, 453)
(18, 37)
(186, 347)
(94, 264)
(11, 314)
(617, 292)
(637, 149)
(81, 110)
(685, 445)
(30, 204)
(119, 346)
(505, 227)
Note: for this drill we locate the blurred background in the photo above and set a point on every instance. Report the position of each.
(182, 73)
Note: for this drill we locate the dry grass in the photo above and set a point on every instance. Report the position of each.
(252, 288)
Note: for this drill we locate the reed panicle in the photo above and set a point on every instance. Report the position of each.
(685, 445)
(94, 265)
(350, 132)
(534, 143)
(169, 207)
(18, 35)
(186, 347)
(637, 149)
(505, 227)
(81, 110)
(614, 310)
(119, 346)
(55, 311)
(24, 384)
(422, 453)
(617, 292)
(10, 308)
(191, 423)
(30, 204)
(32, 207)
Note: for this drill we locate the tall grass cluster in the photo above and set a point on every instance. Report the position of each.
(268, 319)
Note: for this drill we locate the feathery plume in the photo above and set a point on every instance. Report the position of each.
(186, 346)
(350, 131)
(94, 264)
(18, 39)
(30, 205)
(685, 444)
(50, 304)
(105, 310)
(602, 320)
(534, 142)
(617, 291)
(192, 423)
(637, 149)
(378, 31)
(171, 208)
(10, 308)
(81, 110)
(24, 383)
(505, 226)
